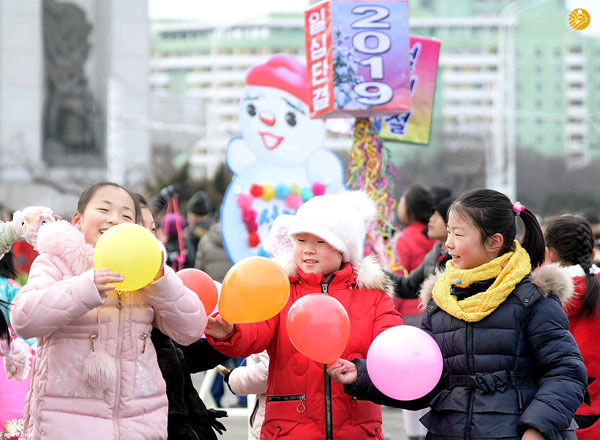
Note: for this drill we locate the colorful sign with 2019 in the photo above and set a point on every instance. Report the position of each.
(357, 56)
(414, 125)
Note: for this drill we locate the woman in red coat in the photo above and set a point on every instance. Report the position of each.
(414, 209)
(412, 244)
(570, 242)
(327, 236)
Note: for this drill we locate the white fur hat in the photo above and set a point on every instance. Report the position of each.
(339, 219)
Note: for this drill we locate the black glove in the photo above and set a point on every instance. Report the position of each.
(212, 415)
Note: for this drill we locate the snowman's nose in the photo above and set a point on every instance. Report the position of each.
(267, 118)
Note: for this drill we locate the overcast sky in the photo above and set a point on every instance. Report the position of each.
(221, 11)
(231, 11)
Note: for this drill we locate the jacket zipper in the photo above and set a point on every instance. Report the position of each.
(471, 369)
(144, 338)
(328, 409)
(118, 358)
(286, 398)
(327, 380)
(301, 397)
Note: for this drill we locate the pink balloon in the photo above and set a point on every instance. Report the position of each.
(404, 362)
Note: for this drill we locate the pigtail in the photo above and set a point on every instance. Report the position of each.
(571, 238)
(533, 238)
(592, 293)
(585, 240)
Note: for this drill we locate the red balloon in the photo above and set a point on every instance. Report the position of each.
(202, 284)
(319, 327)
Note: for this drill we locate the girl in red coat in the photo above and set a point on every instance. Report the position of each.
(570, 242)
(328, 233)
(412, 244)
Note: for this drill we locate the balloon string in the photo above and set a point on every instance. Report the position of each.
(181, 257)
(169, 210)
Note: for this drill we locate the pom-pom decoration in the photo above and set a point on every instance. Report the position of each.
(293, 195)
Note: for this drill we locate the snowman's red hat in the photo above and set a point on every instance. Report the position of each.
(281, 72)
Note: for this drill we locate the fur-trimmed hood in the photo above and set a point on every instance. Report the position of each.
(549, 278)
(63, 240)
(368, 273)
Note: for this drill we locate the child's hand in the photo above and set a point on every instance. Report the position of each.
(218, 328)
(17, 361)
(223, 370)
(343, 371)
(104, 276)
(532, 434)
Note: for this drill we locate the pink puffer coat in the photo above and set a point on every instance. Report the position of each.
(96, 375)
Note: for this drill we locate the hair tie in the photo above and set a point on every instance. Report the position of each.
(518, 208)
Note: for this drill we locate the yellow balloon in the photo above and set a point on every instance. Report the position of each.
(130, 250)
(254, 290)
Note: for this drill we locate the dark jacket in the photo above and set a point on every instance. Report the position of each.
(173, 253)
(211, 256)
(517, 368)
(192, 235)
(407, 287)
(189, 419)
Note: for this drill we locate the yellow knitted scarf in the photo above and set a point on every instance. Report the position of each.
(507, 269)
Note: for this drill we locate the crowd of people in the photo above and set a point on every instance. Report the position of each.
(510, 301)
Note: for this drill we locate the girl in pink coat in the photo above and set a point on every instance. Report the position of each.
(96, 375)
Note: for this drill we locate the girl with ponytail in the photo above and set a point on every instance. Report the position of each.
(512, 370)
(570, 243)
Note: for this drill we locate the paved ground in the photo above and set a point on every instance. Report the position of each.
(392, 425)
(237, 420)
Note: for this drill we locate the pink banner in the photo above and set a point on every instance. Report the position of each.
(414, 125)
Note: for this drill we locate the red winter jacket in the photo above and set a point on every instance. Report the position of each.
(411, 247)
(586, 331)
(299, 389)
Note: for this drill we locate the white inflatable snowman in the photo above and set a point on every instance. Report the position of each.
(279, 162)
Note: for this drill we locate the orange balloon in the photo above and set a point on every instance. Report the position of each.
(203, 285)
(319, 327)
(254, 290)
